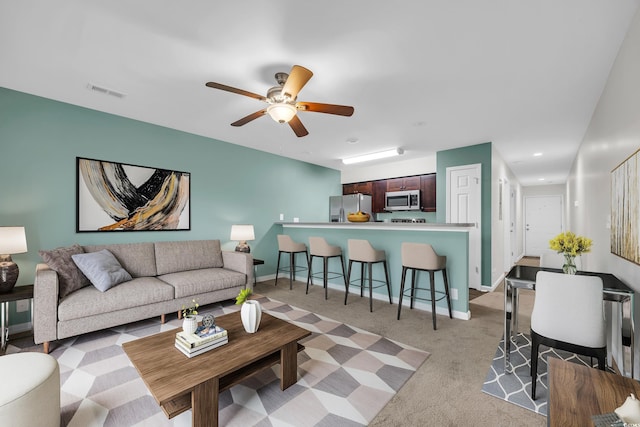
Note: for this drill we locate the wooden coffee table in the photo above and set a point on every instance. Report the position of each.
(179, 383)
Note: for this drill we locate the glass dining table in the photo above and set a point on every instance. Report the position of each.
(524, 277)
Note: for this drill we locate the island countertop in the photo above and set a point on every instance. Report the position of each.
(371, 225)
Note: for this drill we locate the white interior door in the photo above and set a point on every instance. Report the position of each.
(464, 206)
(543, 221)
(512, 227)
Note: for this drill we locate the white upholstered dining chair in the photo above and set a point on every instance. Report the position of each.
(568, 315)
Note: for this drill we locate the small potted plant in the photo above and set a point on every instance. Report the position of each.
(190, 321)
(250, 312)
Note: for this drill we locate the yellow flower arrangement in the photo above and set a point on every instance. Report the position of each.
(570, 244)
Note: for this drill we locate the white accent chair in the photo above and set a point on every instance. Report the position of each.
(30, 391)
(567, 314)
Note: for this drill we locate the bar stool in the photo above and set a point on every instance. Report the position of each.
(361, 251)
(287, 245)
(318, 247)
(421, 256)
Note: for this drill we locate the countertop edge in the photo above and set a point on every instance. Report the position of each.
(380, 226)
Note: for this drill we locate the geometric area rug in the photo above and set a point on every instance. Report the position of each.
(516, 387)
(345, 376)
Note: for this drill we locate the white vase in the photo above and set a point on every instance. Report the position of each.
(190, 324)
(251, 314)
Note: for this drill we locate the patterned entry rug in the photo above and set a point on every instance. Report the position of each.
(516, 387)
(345, 377)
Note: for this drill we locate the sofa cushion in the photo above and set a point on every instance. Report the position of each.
(194, 282)
(138, 292)
(101, 268)
(172, 257)
(70, 278)
(139, 259)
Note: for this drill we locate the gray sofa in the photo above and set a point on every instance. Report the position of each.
(165, 276)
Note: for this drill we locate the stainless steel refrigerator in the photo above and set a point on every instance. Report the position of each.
(340, 206)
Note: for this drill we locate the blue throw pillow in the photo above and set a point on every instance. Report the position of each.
(101, 268)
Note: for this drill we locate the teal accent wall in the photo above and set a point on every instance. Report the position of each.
(230, 184)
(473, 154)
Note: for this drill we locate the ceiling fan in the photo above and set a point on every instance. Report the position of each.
(283, 106)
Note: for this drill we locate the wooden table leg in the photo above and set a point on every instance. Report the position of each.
(204, 404)
(288, 365)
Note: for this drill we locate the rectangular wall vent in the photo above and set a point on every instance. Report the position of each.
(105, 90)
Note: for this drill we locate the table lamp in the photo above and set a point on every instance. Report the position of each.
(242, 233)
(12, 241)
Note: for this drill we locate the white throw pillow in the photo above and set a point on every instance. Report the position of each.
(102, 268)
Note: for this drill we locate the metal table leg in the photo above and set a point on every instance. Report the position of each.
(3, 325)
(508, 314)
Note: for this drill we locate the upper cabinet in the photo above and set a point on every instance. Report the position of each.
(358, 187)
(377, 189)
(428, 192)
(402, 184)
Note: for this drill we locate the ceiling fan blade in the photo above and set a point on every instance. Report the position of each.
(340, 110)
(250, 117)
(236, 90)
(298, 127)
(298, 77)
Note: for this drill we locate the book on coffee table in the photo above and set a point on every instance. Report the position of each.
(190, 352)
(201, 336)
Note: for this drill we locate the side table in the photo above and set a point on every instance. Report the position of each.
(256, 263)
(17, 293)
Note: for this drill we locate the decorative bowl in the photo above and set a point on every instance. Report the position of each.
(358, 218)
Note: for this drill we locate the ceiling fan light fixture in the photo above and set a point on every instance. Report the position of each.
(373, 156)
(281, 112)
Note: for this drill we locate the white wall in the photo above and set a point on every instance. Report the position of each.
(500, 236)
(612, 136)
(386, 170)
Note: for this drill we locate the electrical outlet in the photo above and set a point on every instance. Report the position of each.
(22, 306)
(454, 294)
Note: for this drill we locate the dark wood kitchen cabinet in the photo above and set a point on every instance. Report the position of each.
(428, 192)
(358, 187)
(377, 199)
(403, 184)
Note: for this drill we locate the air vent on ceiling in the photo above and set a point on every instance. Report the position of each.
(105, 90)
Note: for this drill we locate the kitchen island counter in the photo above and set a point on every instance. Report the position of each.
(450, 240)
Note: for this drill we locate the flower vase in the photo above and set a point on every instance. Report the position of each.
(251, 314)
(189, 324)
(569, 266)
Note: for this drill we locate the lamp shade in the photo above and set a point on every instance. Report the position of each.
(242, 232)
(281, 112)
(13, 240)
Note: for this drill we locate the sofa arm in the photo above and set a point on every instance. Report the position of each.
(45, 304)
(240, 262)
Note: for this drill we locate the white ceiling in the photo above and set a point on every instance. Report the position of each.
(422, 75)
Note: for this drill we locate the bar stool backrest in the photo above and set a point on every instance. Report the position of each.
(422, 256)
(286, 244)
(361, 250)
(318, 246)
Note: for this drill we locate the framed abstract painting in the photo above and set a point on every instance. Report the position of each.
(122, 197)
(625, 209)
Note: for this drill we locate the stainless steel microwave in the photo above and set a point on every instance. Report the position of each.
(402, 200)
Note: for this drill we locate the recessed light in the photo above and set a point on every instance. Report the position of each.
(537, 154)
(352, 140)
(540, 179)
